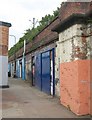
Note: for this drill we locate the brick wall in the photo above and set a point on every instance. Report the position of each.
(4, 40)
(4, 34)
(69, 8)
(46, 36)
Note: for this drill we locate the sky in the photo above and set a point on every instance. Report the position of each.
(20, 13)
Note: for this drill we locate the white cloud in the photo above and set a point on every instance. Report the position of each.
(19, 12)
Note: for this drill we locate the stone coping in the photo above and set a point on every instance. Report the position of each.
(5, 24)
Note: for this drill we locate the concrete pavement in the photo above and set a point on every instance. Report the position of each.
(23, 101)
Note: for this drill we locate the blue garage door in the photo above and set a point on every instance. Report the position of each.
(17, 68)
(46, 72)
(38, 71)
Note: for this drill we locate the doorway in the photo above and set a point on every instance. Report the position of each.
(33, 71)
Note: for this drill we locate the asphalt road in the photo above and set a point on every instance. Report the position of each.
(23, 101)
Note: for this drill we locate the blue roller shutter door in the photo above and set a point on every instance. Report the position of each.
(46, 72)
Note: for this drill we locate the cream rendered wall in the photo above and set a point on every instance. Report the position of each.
(65, 44)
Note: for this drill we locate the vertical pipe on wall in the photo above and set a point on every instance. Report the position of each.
(23, 62)
(23, 67)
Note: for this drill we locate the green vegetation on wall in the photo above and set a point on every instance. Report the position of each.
(31, 33)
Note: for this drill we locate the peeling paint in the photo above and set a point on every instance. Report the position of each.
(74, 49)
